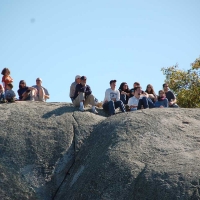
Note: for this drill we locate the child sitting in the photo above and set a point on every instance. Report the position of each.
(9, 94)
(162, 101)
(6, 79)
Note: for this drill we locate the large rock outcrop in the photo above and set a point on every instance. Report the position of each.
(52, 151)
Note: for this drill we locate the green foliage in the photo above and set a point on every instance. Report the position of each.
(185, 84)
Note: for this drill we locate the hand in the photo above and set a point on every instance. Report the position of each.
(113, 99)
(123, 92)
(171, 103)
(161, 106)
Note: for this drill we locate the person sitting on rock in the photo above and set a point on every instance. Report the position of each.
(124, 92)
(170, 96)
(73, 86)
(112, 99)
(9, 94)
(83, 96)
(24, 91)
(139, 100)
(136, 84)
(151, 92)
(162, 101)
(39, 93)
(6, 79)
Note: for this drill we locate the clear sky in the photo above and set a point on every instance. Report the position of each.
(107, 39)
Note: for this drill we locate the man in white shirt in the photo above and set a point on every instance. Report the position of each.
(139, 99)
(39, 93)
(112, 99)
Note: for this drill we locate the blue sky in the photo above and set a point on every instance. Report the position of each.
(109, 39)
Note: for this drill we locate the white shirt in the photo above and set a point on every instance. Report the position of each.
(133, 101)
(112, 94)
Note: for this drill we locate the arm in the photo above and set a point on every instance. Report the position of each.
(107, 95)
(88, 90)
(166, 103)
(118, 96)
(46, 95)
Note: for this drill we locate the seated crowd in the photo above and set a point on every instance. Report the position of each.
(124, 98)
(35, 93)
(81, 95)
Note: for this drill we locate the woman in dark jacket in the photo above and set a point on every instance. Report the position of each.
(24, 91)
(124, 92)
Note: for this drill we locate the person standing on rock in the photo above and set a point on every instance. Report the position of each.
(39, 93)
(73, 86)
(112, 99)
(170, 96)
(83, 96)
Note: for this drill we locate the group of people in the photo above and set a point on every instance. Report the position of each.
(35, 93)
(124, 98)
(81, 95)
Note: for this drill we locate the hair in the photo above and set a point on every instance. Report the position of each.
(136, 83)
(10, 85)
(4, 71)
(164, 84)
(152, 90)
(22, 81)
(135, 88)
(161, 91)
(122, 85)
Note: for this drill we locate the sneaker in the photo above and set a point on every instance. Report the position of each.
(94, 111)
(81, 109)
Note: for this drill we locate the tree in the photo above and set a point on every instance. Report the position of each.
(185, 84)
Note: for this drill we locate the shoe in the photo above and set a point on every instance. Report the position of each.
(81, 109)
(94, 111)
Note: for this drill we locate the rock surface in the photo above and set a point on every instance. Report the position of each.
(53, 151)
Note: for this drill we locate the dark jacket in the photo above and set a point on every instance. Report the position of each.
(80, 88)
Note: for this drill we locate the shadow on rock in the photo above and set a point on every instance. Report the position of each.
(59, 111)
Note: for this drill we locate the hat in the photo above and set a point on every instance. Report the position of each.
(38, 79)
(113, 81)
(83, 77)
(77, 76)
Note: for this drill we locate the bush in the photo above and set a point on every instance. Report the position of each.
(185, 84)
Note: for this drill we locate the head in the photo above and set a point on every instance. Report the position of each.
(136, 84)
(83, 80)
(9, 86)
(5, 72)
(77, 79)
(22, 84)
(124, 87)
(38, 81)
(165, 87)
(113, 84)
(149, 89)
(137, 91)
(161, 93)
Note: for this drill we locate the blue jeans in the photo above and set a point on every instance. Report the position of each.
(146, 103)
(111, 106)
